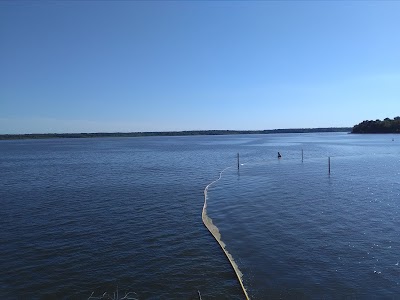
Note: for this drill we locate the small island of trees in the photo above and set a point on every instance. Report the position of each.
(378, 126)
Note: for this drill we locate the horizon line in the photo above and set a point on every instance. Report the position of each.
(199, 131)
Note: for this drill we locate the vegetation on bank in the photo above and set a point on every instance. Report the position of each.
(378, 126)
(167, 133)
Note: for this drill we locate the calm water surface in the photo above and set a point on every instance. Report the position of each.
(90, 215)
(296, 232)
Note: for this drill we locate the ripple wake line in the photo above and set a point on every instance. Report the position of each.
(216, 234)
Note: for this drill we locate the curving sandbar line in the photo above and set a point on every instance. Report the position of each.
(215, 232)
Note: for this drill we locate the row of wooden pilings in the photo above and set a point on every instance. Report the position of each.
(302, 159)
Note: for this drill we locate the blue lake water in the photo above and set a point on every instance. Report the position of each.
(93, 215)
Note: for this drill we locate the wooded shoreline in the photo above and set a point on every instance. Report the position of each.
(377, 126)
(167, 133)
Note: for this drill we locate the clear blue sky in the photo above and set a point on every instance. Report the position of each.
(159, 66)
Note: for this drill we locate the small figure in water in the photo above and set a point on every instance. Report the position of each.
(279, 155)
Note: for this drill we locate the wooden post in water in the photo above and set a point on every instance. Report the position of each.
(329, 165)
(302, 155)
(238, 160)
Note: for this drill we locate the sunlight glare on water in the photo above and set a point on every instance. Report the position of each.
(90, 215)
(296, 231)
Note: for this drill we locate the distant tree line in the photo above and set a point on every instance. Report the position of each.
(378, 126)
(167, 133)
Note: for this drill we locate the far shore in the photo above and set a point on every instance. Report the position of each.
(167, 133)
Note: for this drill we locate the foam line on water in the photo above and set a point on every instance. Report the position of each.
(216, 234)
